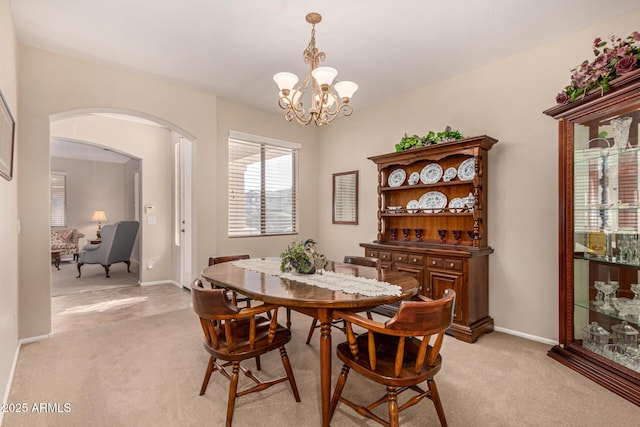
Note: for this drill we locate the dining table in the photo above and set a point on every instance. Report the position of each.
(315, 301)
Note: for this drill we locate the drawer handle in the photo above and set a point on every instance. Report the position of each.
(451, 265)
(399, 258)
(414, 260)
(433, 262)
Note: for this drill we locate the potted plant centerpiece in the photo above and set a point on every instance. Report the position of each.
(302, 258)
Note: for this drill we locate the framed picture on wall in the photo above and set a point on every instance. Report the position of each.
(7, 135)
(345, 198)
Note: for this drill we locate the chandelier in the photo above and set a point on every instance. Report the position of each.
(324, 99)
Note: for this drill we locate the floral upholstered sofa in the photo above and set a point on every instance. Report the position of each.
(66, 240)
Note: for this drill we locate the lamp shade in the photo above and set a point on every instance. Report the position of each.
(346, 89)
(98, 216)
(285, 80)
(324, 75)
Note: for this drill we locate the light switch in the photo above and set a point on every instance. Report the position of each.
(151, 220)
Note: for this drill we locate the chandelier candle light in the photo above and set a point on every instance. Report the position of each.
(325, 100)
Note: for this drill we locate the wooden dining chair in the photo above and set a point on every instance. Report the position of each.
(226, 258)
(348, 259)
(398, 354)
(232, 335)
(234, 296)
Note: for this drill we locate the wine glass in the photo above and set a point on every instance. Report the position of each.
(405, 233)
(471, 235)
(607, 289)
(442, 234)
(394, 233)
(418, 232)
(599, 299)
(457, 234)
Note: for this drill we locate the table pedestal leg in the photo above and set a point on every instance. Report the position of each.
(325, 364)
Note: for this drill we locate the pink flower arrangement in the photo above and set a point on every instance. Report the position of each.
(613, 58)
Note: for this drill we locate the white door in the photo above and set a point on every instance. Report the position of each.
(183, 228)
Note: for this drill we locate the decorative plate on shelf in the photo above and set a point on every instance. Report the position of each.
(457, 204)
(431, 173)
(397, 177)
(413, 206)
(449, 174)
(414, 178)
(467, 169)
(432, 202)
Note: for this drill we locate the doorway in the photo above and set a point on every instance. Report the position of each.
(87, 179)
(161, 201)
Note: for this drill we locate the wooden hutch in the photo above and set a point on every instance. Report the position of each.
(432, 223)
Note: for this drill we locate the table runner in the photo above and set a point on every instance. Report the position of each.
(328, 279)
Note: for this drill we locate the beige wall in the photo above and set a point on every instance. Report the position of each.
(91, 186)
(505, 100)
(151, 144)
(247, 120)
(8, 210)
(51, 84)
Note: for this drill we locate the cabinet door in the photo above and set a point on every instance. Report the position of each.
(417, 272)
(439, 281)
(606, 230)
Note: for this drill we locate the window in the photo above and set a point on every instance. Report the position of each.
(262, 186)
(58, 214)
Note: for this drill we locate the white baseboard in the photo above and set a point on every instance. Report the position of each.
(526, 336)
(34, 339)
(160, 282)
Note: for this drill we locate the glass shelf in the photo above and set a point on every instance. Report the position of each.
(614, 314)
(587, 155)
(604, 260)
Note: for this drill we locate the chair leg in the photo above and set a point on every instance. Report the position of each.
(313, 328)
(128, 262)
(207, 375)
(106, 269)
(435, 397)
(287, 368)
(288, 318)
(342, 379)
(392, 395)
(258, 367)
(79, 265)
(233, 391)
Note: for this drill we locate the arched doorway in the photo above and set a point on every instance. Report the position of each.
(161, 184)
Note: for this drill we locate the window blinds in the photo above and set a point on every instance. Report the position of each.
(262, 186)
(58, 214)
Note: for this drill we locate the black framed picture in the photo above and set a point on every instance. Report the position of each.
(7, 136)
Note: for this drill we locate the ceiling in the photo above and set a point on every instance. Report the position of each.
(233, 48)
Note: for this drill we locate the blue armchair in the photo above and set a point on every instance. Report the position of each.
(116, 246)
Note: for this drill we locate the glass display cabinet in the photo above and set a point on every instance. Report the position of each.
(599, 286)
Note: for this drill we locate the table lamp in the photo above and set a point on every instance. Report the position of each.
(98, 216)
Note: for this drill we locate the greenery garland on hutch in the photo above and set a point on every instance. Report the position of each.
(432, 223)
(599, 235)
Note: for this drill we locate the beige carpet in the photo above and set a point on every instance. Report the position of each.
(65, 282)
(147, 371)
